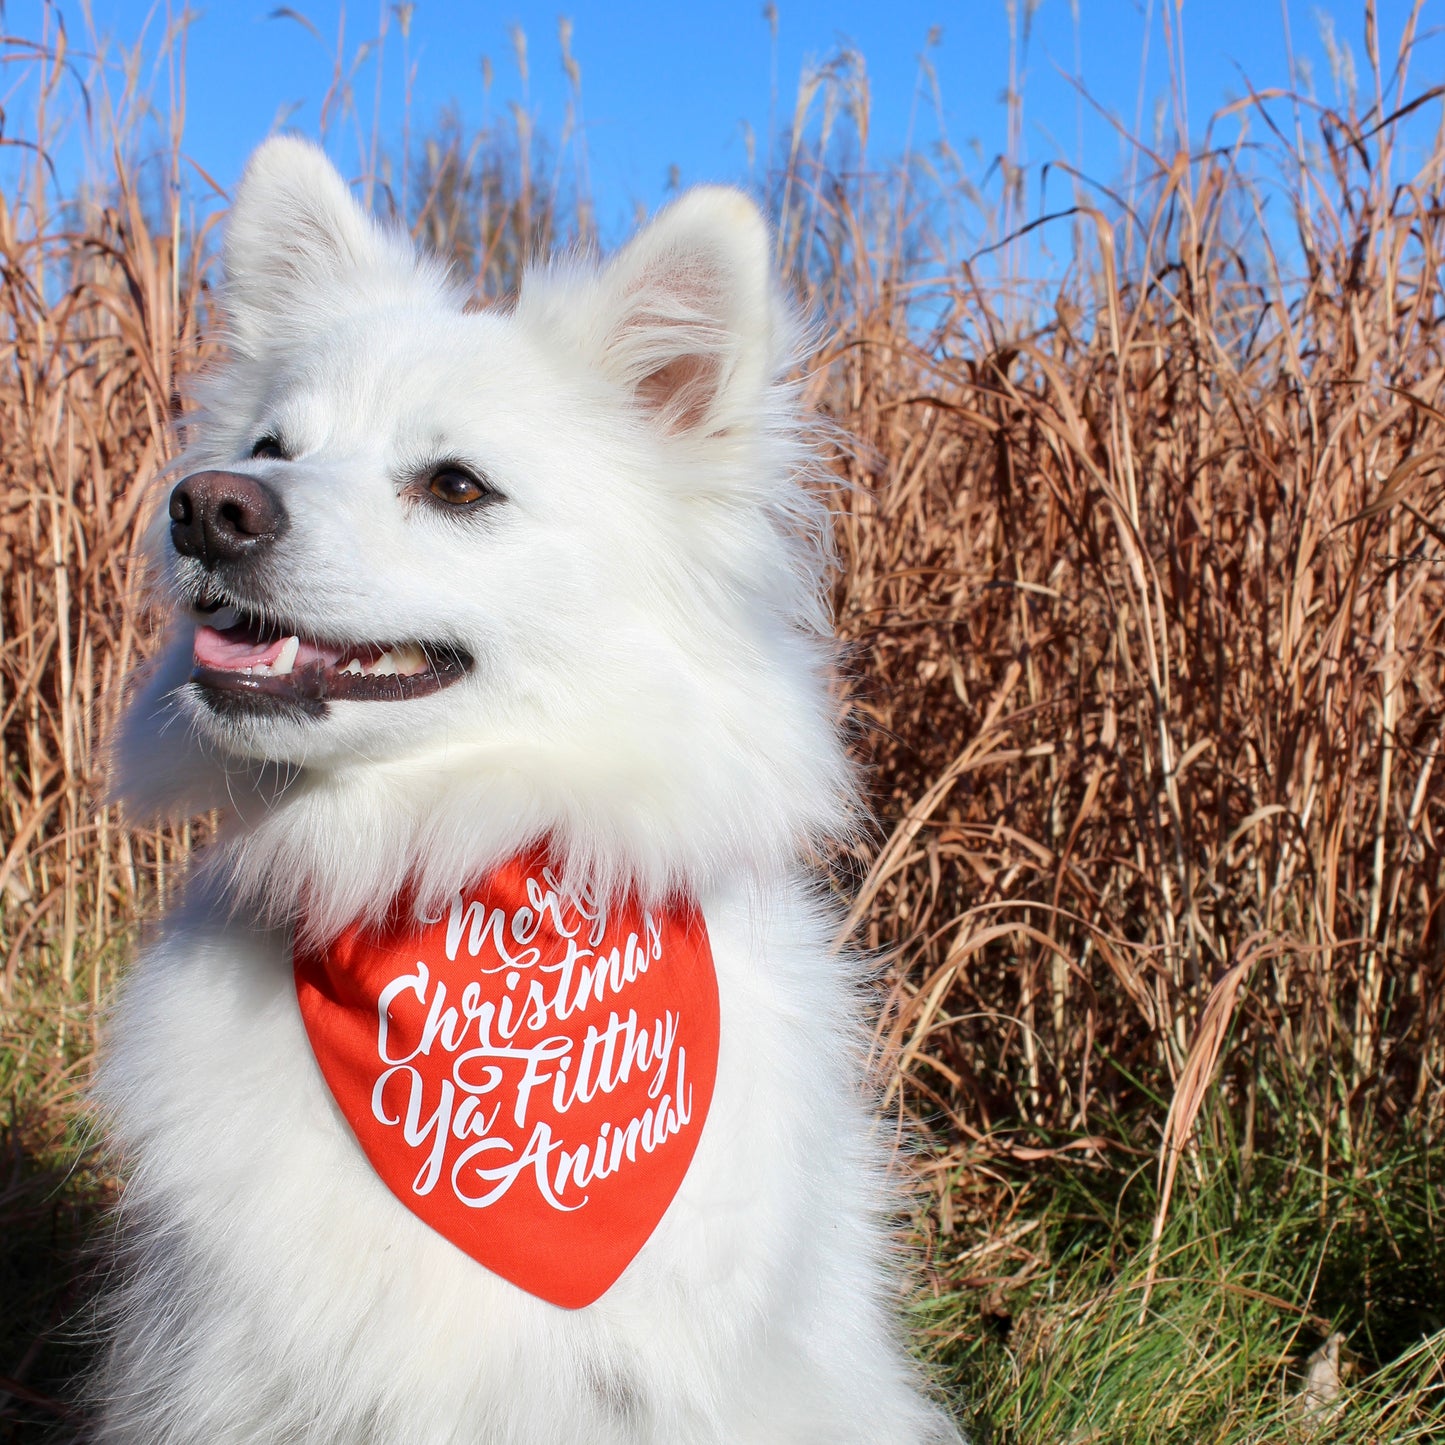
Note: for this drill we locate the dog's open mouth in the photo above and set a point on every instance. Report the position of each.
(242, 655)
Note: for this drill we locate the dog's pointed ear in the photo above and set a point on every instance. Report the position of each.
(298, 249)
(685, 318)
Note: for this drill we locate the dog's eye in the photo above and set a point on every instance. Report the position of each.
(268, 448)
(458, 488)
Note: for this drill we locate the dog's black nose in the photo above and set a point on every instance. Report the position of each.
(223, 517)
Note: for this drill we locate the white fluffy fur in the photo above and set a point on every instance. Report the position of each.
(652, 690)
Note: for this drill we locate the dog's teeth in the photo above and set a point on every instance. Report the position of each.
(286, 658)
(353, 667)
(401, 661)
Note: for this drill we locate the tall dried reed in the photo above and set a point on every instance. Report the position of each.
(1144, 577)
(98, 311)
(1146, 584)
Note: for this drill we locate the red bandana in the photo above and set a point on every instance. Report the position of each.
(528, 1073)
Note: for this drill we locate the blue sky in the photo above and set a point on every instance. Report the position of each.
(668, 90)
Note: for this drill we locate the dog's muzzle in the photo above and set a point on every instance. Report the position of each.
(246, 658)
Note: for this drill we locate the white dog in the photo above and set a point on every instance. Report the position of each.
(496, 1081)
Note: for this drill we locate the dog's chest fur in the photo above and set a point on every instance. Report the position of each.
(368, 1326)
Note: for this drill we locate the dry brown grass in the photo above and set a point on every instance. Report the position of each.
(1145, 578)
(1147, 599)
(94, 314)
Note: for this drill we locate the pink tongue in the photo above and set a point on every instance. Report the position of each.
(235, 650)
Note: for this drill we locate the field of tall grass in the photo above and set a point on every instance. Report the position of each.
(1143, 574)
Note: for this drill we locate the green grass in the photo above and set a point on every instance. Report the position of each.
(1041, 1333)
(50, 1199)
(1053, 1341)
(52, 1194)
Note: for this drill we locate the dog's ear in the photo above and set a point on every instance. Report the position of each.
(299, 249)
(684, 318)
